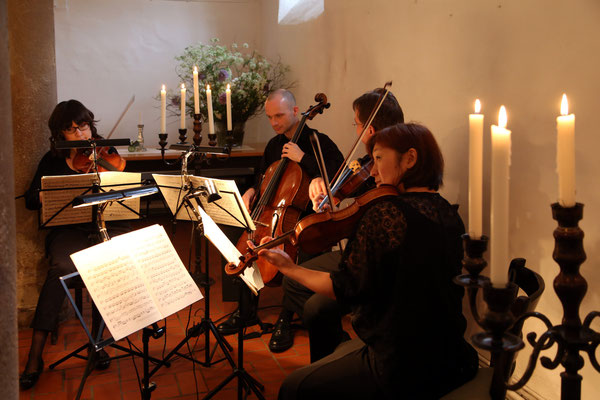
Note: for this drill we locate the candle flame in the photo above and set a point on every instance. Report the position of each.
(207, 87)
(228, 87)
(477, 106)
(195, 69)
(183, 85)
(502, 117)
(564, 105)
(163, 87)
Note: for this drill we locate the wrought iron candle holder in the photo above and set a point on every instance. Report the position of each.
(182, 136)
(571, 336)
(197, 130)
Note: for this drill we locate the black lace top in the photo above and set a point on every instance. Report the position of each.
(396, 277)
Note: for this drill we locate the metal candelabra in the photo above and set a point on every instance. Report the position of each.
(571, 336)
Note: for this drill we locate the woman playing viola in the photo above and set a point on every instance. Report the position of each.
(396, 277)
(69, 121)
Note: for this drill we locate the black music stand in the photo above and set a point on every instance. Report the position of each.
(99, 201)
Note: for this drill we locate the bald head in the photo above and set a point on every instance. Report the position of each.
(282, 95)
(282, 112)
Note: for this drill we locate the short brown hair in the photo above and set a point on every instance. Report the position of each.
(428, 171)
(389, 114)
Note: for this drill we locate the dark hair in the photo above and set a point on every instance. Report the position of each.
(428, 171)
(389, 114)
(62, 118)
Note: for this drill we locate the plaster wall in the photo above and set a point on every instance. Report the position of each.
(107, 51)
(441, 55)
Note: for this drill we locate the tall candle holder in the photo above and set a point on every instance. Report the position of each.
(197, 130)
(182, 136)
(571, 336)
(212, 139)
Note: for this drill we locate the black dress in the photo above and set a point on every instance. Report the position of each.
(396, 277)
(61, 242)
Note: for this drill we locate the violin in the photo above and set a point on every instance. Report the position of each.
(316, 233)
(104, 158)
(283, 197)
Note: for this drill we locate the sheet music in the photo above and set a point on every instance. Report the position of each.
(136, 279)
(124, 180)
(229, 210)
(165, 275)
(54, 200)
(251, 274)
(117, 288)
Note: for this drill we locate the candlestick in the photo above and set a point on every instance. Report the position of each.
(140, 138)
(565, 155)
(475, 171)
(228, 105)
(211, 121)
(501, 142)
(182, 123)
(196, 92)
(163, 110)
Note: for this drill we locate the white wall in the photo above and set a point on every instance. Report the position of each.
(109, 50)
(441, 55)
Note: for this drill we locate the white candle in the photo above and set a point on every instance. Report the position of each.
(228, 105)
(499, 204)
(196, 92)
(182, 123)
(163, 110)
(140, 121)
(565, 155)
(211, 122)
(475, 171)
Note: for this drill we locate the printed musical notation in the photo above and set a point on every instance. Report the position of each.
(228, 210)
(136, 279)
(58, 191)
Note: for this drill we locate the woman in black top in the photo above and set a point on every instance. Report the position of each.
(396, 277)
(70, 120)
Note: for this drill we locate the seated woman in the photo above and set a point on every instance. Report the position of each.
(396, 277)
(70, 120)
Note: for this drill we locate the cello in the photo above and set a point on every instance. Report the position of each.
(282, 199)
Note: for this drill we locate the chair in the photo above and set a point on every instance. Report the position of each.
(533, 285)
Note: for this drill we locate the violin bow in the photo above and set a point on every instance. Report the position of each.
(316, 145)
(121, 117)
(366, 126)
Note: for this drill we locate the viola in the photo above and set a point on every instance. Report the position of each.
(344, 171)
(351, 179)
(283, 197)
(316, 233)
(105, 160)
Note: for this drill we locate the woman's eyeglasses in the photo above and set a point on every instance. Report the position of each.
(84, 126)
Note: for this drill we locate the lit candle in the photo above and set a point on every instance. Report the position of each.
(475, 171)
(140, 121)
(163, 110)
(211, 122)
(499, 203)
(182, 124)
(228, 104)
(565, 155)
(196, 92)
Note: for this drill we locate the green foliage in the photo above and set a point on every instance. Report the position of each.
(252, 78)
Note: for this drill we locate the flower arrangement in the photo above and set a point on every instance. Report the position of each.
(252, 78)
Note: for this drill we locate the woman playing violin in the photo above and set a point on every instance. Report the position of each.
(69, 121)
(396, 278)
